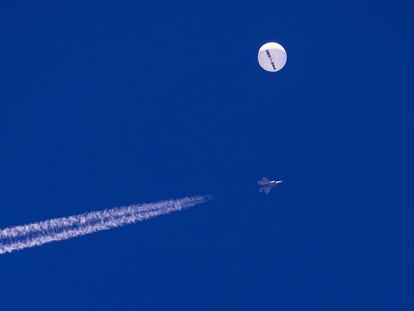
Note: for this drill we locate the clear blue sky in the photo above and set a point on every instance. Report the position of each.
(106, 103)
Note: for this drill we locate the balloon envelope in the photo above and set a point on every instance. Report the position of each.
(272, 56)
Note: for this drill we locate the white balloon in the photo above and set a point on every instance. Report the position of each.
(272, 56)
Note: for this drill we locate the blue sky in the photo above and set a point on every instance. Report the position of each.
(107, 103)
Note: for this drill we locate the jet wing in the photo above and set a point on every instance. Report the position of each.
(265, 180)
(265, 189)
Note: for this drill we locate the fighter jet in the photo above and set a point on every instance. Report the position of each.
(266, 185)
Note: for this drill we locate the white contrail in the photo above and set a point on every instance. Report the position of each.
(58, 229)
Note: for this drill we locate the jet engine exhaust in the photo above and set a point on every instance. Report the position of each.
(58, 229)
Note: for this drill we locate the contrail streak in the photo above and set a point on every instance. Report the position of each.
(58, 229)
